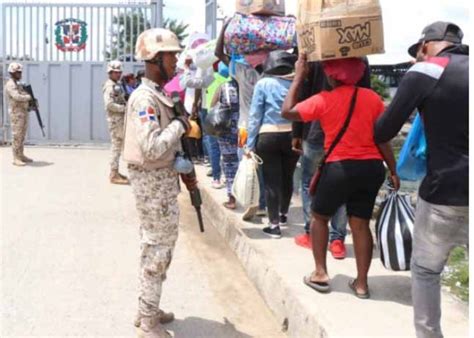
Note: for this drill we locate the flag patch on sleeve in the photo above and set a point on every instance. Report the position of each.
(147, 115)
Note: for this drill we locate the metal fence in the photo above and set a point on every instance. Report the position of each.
(64, 50)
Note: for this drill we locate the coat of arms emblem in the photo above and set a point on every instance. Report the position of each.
(71, 35)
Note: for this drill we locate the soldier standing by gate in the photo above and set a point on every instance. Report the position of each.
(115, 105)
(152, 138)
(19, 102)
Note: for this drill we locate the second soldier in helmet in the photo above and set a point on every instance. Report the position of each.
(115, 105)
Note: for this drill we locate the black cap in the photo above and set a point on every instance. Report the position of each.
(438, 31)
(279, 62)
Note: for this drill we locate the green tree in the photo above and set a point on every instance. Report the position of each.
(179, 28)
(126, 28)
(124, 33)
(380, 87)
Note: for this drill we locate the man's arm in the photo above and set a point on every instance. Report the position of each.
(288, 110)
(416, 85)
(15, 93)
(191, 79)
(154, 140)
(255, 116)
(110, 105)
(219, 52)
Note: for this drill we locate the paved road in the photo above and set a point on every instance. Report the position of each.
(69, 245)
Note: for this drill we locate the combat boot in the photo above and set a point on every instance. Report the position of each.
(26, 159)
(18, 162)
(164, 317)
(150, 327)
(115, 178)
(124, 178)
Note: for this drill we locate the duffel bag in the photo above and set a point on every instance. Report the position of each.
(252, 33)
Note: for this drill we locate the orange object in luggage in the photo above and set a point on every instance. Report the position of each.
(242, 137)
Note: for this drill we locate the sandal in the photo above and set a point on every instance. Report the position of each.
(322, 287)
(365, 295)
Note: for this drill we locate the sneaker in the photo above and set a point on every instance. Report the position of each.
(283, 221)
(249, 213)
(216, 184)
(261, 213)
(273, 232)
(304, 241)
(338, 249)
(209, 173)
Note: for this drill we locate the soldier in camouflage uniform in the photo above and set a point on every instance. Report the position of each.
(19, 102)
(152, 138)
(115, 105)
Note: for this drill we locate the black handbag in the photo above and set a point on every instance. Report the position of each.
(218, 121)
(317, 175)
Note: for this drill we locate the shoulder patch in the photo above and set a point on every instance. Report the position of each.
(147, 115)
(433, 67)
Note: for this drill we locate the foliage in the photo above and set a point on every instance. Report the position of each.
(126, 28)
(380, 87)
(179, 28)
(456, 274)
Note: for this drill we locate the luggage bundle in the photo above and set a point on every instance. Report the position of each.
(394, 229)
(339, 28)
(259, 25)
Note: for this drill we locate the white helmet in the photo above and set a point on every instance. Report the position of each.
(15, 67)
(114, 66)
(155, 40)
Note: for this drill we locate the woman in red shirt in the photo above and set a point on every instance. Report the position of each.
(354, 171)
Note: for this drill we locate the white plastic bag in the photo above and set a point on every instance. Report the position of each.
(246, 188)
(204, 56)
(394, 229)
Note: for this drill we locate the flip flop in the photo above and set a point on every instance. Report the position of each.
(365, 295)
(322, 287)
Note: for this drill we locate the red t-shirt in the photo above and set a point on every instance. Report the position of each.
(331, 109)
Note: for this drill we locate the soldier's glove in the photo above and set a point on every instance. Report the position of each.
(184, 121)
(190, 181)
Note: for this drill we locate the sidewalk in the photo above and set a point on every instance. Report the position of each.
(277, 267)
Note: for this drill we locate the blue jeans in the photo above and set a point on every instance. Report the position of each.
(262, 204)
(212, 148)
(309, 163)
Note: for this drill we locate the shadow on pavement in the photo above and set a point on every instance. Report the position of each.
(40, 164)
(203, 328)
(395, 289)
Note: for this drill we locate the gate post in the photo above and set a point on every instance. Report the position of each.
(157, 12)
(211, 18)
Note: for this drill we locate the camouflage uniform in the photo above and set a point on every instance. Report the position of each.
(155, 185)
(18, 101)
(115, 105)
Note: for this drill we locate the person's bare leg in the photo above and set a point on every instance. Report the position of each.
(363, 247)
(319, 239)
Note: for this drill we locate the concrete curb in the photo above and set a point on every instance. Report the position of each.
(296, 321)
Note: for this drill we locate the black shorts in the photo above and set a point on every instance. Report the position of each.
(354, 183)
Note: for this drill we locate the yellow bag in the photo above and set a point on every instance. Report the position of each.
(195, 131)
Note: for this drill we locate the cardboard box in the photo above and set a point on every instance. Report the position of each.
(333, 29)
(261, 7)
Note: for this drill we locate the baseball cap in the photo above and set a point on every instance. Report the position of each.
(438, 31)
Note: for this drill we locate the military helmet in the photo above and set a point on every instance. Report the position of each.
(155, 40)
(114, 66)
(15, 67)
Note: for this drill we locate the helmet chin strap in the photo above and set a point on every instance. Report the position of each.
(158, 60)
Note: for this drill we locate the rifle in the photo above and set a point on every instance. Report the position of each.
(34, 106)
(194, 194)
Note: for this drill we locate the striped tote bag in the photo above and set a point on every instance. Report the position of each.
(394, 229)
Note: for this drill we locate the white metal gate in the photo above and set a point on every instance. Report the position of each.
(64, 50)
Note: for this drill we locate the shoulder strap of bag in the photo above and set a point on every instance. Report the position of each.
(344, 127)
